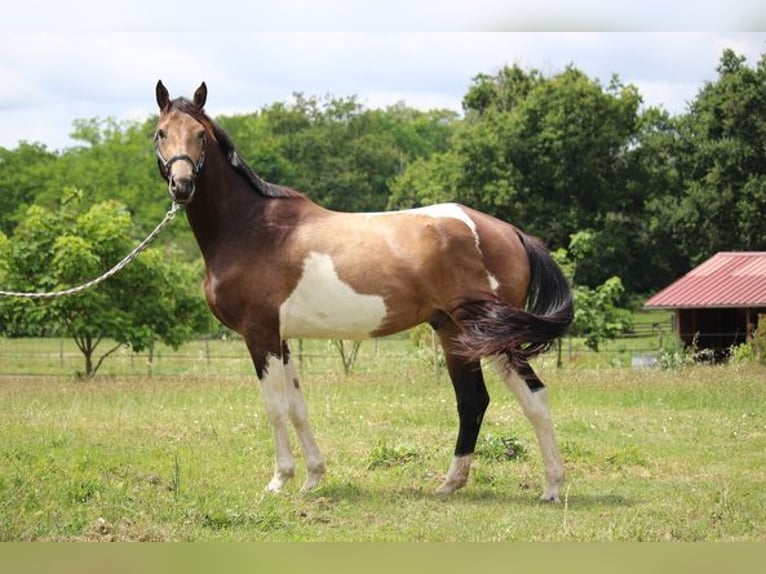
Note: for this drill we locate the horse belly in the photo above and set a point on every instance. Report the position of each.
(324, 306)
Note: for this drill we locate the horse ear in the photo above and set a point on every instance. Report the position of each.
(163, 98)
(200, 96)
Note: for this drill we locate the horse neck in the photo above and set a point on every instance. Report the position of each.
(223, 207)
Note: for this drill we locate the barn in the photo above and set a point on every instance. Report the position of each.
(717, 304)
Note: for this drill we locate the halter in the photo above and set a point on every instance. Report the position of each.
(165, 164)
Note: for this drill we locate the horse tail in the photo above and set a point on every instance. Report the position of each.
(494, 327)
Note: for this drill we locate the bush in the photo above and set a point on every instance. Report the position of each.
(674, 355)
(501, 448)
(759, 339)
(743, 353)
(384, 456)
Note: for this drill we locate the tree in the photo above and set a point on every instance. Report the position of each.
(598, 316)
(25, 172)
(636, 243)
(348, 354)
(721, 155)
(155, 298)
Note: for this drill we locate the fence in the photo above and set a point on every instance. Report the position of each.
(61, 357)
(229, 357)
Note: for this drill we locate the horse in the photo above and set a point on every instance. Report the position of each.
(279, 266)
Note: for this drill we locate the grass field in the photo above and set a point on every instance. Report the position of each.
(650, 455)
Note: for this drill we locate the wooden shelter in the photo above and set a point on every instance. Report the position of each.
(717, 304)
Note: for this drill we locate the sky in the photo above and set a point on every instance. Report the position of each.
(80, 59)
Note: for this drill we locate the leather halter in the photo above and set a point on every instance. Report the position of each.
(165, 164)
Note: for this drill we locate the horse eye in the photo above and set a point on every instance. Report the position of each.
(159, 135)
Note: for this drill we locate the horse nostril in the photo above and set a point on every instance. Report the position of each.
(181, 188)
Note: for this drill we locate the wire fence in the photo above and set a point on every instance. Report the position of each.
(229, 357)
(61, 357)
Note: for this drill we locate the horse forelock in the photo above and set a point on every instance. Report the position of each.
(226, 145)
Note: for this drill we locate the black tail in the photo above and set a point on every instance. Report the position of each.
(495, 327)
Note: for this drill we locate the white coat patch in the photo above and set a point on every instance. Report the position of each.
(448, 210)
(323, 306)
(452, 210)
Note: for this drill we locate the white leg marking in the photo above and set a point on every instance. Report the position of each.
(535, 407)
(298, 412)
(275, 398)
(457, 475)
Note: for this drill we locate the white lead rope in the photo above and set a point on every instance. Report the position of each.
(169, 216)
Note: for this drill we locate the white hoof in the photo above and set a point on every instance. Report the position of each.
(278, 481)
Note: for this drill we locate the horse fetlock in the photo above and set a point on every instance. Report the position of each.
(313, 477)
(555, 480)
(457, 475)
(551, 493)
(280, 478)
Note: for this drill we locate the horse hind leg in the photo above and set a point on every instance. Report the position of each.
(472, 402)
(533, 397)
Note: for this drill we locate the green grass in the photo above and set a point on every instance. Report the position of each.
(650, 455)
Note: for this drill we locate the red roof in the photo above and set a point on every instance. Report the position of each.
(728, 279)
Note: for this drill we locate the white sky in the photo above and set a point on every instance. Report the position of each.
(60, 61)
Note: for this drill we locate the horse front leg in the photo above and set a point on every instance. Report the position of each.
(298, 412)
(270, 370)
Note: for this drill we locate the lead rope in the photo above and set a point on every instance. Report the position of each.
(169, 216)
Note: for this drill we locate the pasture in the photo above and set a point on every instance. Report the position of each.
(650, 455)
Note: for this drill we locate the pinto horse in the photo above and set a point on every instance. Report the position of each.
(278, 266)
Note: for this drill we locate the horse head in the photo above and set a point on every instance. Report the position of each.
(179, 141)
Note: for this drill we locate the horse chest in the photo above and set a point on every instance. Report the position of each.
(216, 299)
(322, 305)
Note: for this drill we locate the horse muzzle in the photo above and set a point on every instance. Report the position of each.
(181, 186)
(181, 189)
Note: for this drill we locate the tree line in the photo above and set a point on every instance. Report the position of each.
(558, 155)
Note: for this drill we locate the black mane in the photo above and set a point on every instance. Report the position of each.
(256, 182)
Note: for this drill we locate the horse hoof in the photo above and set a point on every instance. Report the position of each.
(550, 497)
(312, 481)
(449, 486)
(273, 487)
(278, 481)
